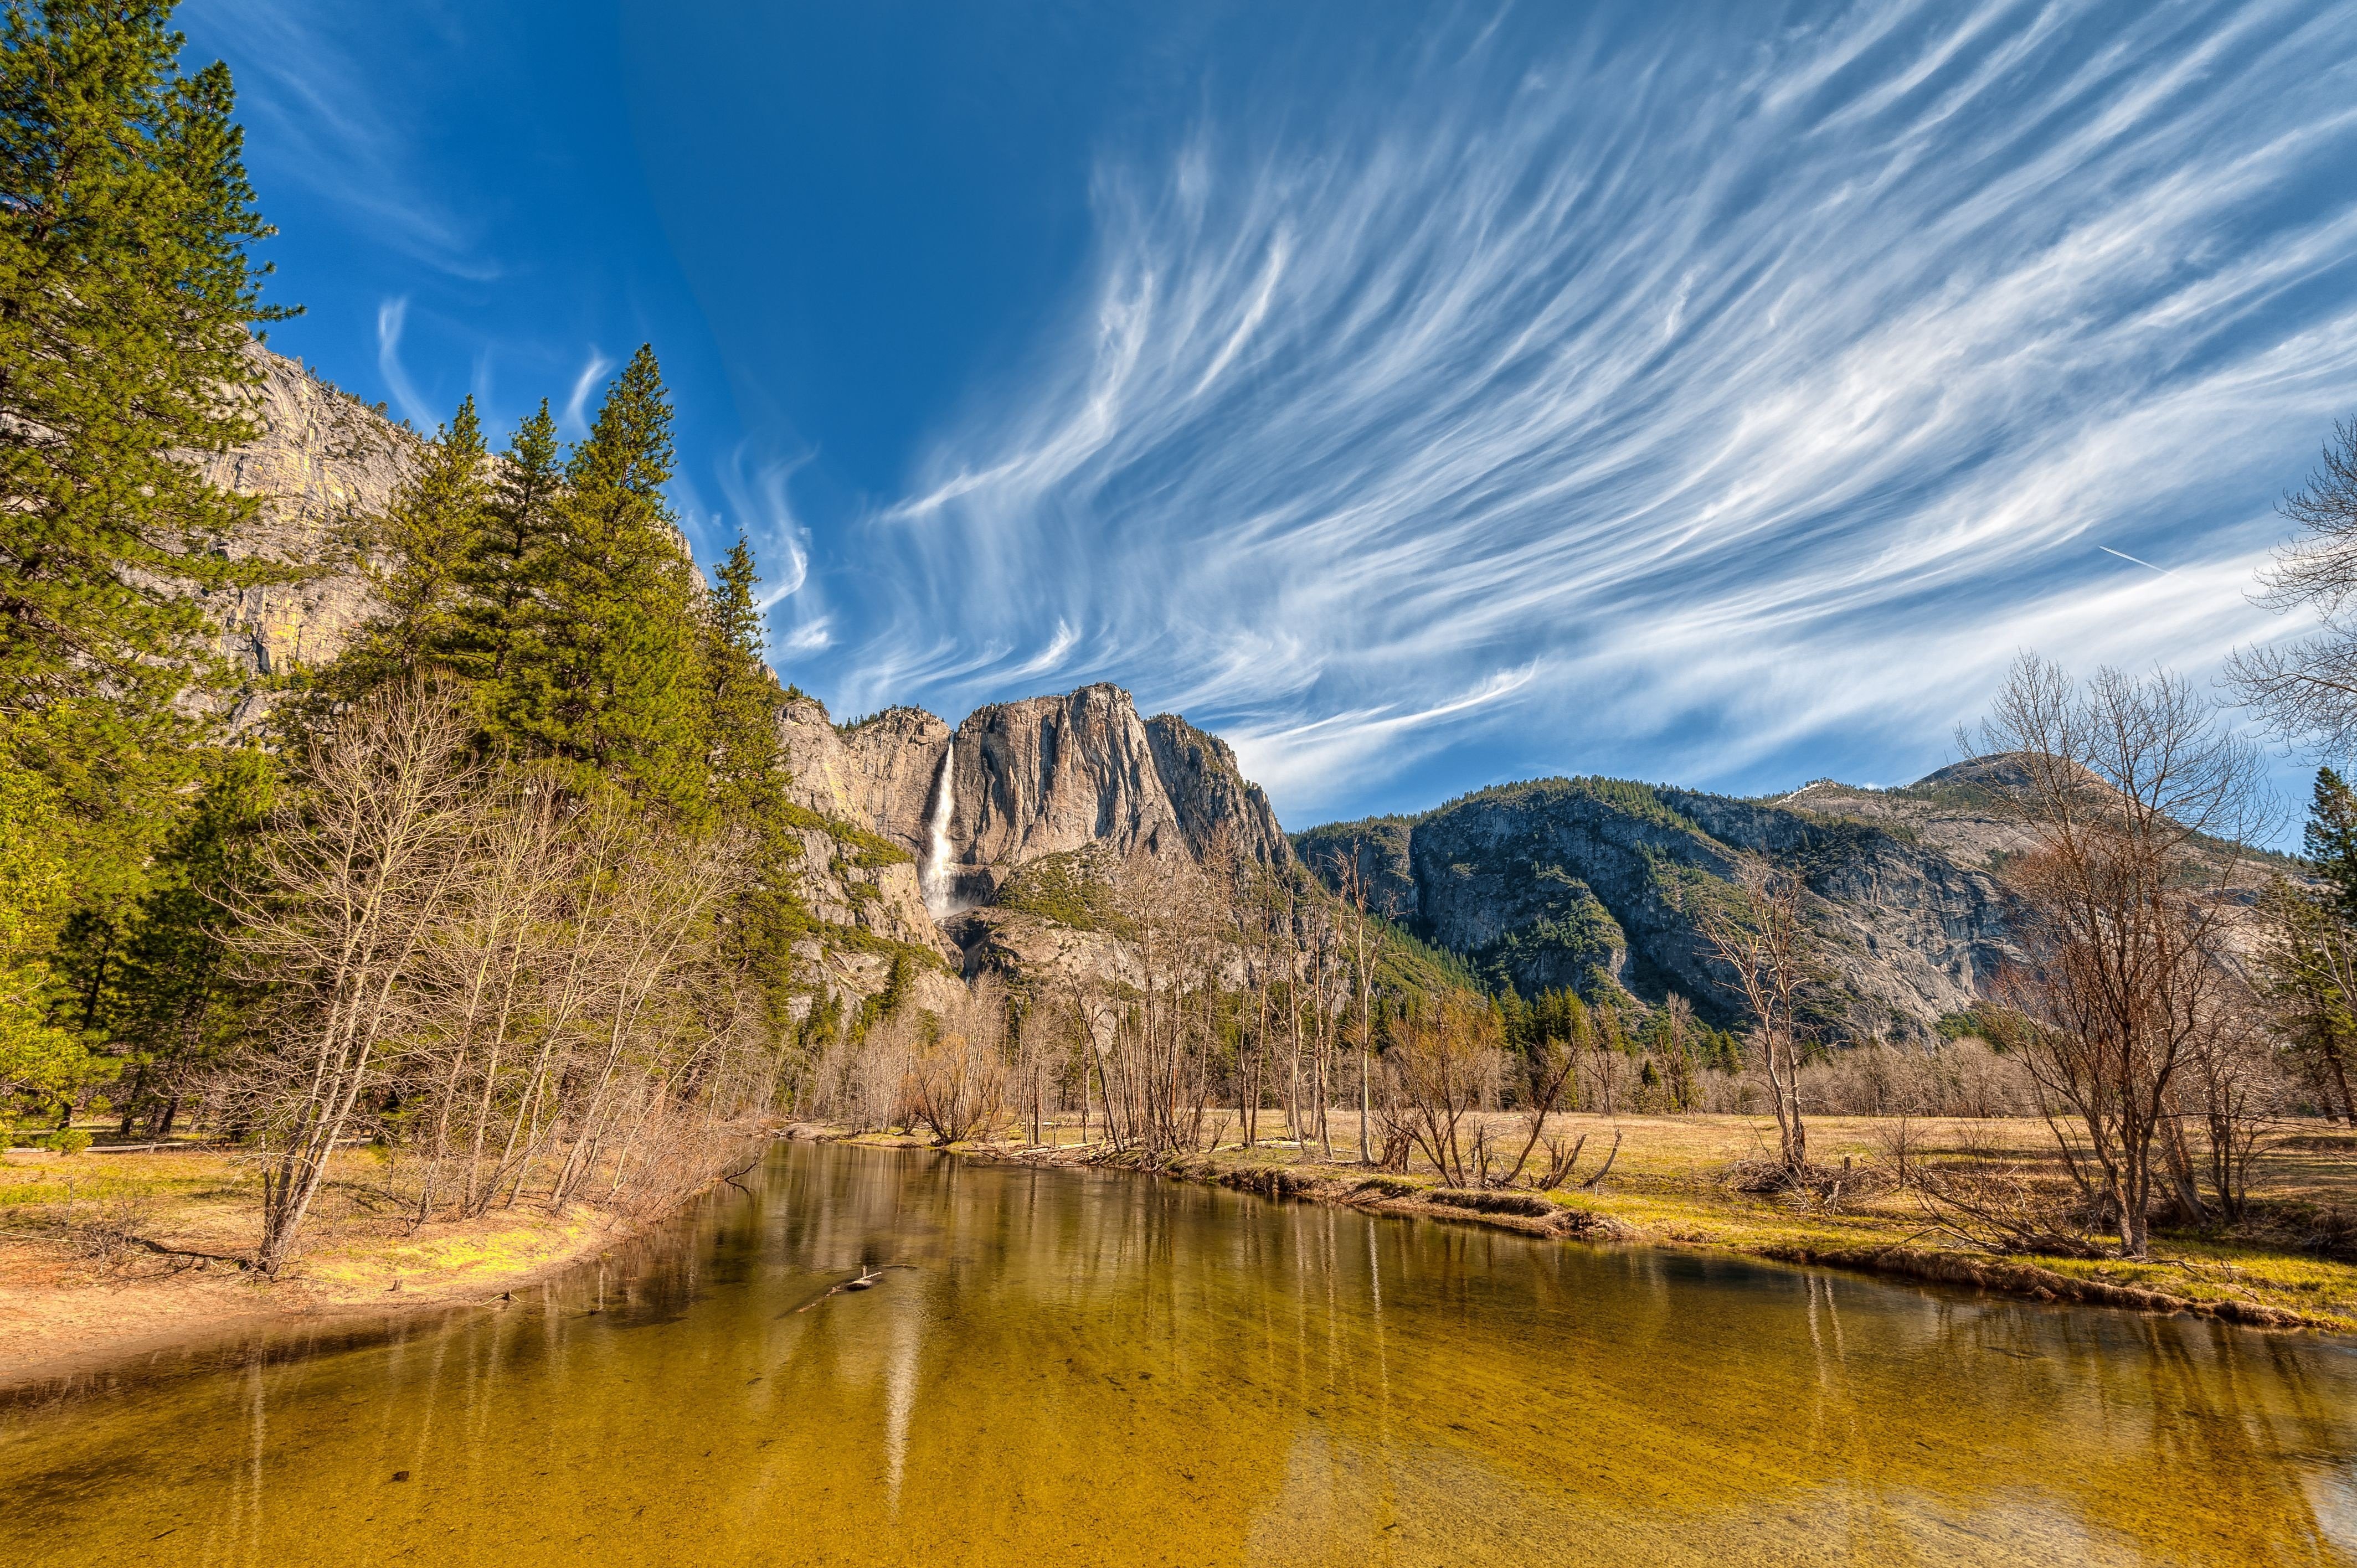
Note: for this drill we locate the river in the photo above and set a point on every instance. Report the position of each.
(1074, 1367)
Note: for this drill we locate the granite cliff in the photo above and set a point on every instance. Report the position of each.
(891, 857)
(321, 461)
(1020, 784)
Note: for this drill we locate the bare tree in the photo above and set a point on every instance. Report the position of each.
(1352, 889)
(1550, 1067)
(479, 972)
(1089, 1002)
(2307, 688)
(2235, 1094)
(1445, 1064)
(956, 1077)
(1762, 938)
(645, 1031)
(363, 868)
(2135, 803)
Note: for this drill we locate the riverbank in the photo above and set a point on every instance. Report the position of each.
(1677, 1182)
(109, 1256)
(104, 1256)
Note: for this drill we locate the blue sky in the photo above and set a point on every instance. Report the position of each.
(1419, 397)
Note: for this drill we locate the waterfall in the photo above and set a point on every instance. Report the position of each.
(937, 860)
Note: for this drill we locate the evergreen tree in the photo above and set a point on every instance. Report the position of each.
(2329, 841)
(741, 696)
(177, 1004)
(125, 292)
(2310, 957)
(602, 673)
(1516, 1023)
(125, 296)
(749, 778)
(37, 1056)
(518, 530)
(421, 552)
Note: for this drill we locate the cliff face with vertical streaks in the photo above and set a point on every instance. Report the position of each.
(1031, 778)
(321, 460)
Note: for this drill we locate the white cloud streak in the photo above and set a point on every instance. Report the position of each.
(322, 123)
(574, 419)
(391, 317)
(1720, 398)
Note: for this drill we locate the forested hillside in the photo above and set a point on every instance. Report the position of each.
(1605, 885)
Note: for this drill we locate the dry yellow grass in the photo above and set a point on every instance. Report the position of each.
(62, 1301)
(69, 1292)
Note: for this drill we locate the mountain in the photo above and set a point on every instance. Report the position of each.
(1027, 784)
(894, 851)
(968, 842)
(1576, 882)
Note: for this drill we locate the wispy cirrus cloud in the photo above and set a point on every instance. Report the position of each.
(574, 419)
(391, 316)
(1720, 393)
(323, 122)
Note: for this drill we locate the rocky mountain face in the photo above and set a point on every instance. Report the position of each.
(905, 823)
(1016, 783)
(322, 460)
(1569, 881)
(1952, 811)
(1018, 780)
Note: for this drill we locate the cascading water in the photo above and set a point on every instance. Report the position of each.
(937, 858)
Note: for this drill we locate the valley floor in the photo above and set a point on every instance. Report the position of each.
(1676, 1182)
(108, 1255)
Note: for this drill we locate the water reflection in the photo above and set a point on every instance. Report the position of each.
(1099, 1369)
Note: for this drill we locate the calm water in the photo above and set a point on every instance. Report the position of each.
(1101, 1369)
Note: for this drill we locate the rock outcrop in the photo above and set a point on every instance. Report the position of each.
(321, 460)
(1029, 779)
(1570, 882)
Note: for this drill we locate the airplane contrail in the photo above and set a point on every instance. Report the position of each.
(2125, 556)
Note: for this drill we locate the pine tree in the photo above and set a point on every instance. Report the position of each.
(125, 296)
(2330, 840)
(519, 527)
(2312, 946)
(734, 613)
(741, 696)
(178, 1002)
(421, 552)
(37, 1056)
(125, 292)
(748, 779)
(603, 672)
